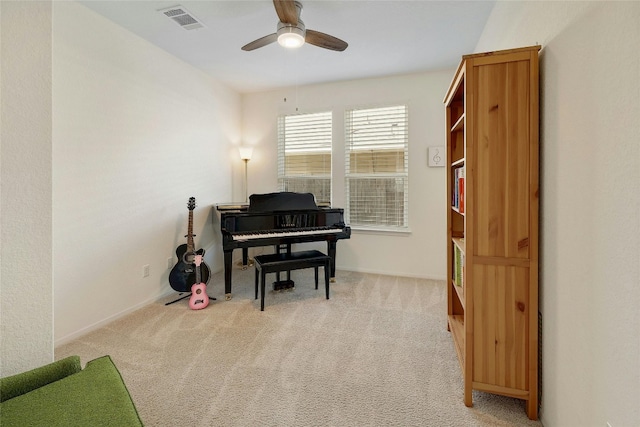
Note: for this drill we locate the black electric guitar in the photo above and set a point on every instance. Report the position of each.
(183, 274)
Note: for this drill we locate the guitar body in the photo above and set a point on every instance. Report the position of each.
(183, 274)
(199, 298)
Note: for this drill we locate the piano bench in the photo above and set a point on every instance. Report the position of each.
(275, 263)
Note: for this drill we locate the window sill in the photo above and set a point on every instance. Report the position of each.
(373, 230)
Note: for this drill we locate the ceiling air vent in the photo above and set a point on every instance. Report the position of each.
(182, 17)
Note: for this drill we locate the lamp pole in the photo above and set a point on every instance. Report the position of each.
(245, 155)
(246, 180)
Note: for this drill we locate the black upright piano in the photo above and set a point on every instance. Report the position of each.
(277, 219)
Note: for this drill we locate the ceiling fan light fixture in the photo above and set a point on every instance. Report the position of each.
(291, 32)
(291, 37)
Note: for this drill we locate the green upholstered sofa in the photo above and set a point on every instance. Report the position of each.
(63, 394)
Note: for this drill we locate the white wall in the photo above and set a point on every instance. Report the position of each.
(590, 219)
(420, 253)
(136, 132)
(26, 298)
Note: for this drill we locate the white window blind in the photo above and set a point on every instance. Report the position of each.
(304, 154)
(377, 167)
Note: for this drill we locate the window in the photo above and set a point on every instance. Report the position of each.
(304, 154)
(376, 167)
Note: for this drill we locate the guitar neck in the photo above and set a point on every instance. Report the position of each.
(198, 262)
(190, 246)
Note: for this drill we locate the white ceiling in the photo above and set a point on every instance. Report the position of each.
(385, 37)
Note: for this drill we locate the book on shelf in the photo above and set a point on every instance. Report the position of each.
(461, 180)
(458, 189)
(458, 266)
(454, 195)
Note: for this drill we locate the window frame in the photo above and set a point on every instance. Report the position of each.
(318, 145)
(401, 221)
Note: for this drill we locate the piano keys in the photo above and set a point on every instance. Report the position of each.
(276, 219)
(285, 233)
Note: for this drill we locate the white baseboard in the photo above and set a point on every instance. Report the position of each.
(390, 273)
(97, 325)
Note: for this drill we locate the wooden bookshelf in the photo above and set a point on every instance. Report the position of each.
(492, 247)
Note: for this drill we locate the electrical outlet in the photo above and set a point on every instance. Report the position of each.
(145, 270)
(169, 263)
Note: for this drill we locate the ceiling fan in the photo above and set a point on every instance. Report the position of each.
(292, 33)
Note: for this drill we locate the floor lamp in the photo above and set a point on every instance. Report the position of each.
(245, 155)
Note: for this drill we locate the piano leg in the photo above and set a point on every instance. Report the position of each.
(245, 258)
(228, 267)
(331, 251)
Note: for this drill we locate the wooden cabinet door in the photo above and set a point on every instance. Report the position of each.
(500, 338)
(501, 149)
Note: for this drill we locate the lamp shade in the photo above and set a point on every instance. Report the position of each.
(245, 152)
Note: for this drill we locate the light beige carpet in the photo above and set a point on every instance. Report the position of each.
(376, 354)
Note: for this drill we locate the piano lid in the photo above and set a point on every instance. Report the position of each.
(282, 201)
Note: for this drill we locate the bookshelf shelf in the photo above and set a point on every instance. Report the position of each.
(492, 222)
(458, 125)
(459, 242)
(458, 163)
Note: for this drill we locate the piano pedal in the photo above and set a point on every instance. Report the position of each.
(282, 285)
(250, 263)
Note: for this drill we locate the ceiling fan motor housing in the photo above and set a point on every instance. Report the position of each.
(290, 35)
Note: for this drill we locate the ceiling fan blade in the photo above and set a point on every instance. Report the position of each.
(287, 11)
(326, 41)
(263, 41)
